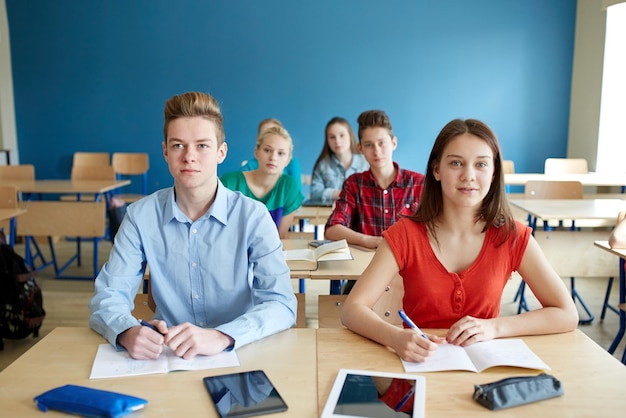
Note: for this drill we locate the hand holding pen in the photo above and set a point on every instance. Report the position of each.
(411, 324)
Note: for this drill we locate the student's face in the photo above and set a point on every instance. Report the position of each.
(377, 146)
(273, 154)
(192, 152)
(466, 171)
(338, 138)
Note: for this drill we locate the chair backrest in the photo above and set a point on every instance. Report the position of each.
(8, 197)
(508, 166)
(17, 172)
(91, 158)
(565, 166)
(103, 172)
(329, 306)
(549, 189)
(130, 163)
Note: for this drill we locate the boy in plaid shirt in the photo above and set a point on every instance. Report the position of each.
(371, 201)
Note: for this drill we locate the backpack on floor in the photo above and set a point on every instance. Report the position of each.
(21, 302)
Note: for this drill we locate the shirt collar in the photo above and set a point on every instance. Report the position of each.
(218, 210)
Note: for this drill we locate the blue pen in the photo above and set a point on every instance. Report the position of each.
(149, 325)
(405, 398)
(411, 324)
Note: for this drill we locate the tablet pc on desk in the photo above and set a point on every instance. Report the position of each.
(371, 394)
(244, 394)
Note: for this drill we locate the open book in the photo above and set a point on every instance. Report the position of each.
(479, 356)
(112, 363)
(307, 258)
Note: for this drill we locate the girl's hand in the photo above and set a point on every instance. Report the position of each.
(411, 346)
(469, 330)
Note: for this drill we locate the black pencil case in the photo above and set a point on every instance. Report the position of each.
(515, 391)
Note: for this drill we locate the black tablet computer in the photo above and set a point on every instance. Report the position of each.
(244, 394)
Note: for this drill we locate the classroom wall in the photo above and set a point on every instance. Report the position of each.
(93, 76)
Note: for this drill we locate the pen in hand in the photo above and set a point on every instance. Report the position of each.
(411, 324)
(149, 325)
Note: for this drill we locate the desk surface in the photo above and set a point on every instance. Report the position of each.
(65, 186)
(333, 270)
(65, 356)
(6, 214)
(588, 179)
(554, 209)
(317, 215)
(620, 252)
(593, 380)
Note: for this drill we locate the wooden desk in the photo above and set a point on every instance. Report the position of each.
(335, 271)
(588, 179)
(621, 253)
(316, 215)
(593, 380)
(575, 209)
(10, 215)
(556, 209)
(65, 186)
(65, 356)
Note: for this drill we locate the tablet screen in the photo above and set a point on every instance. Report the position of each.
(368, 394)
(244, 394)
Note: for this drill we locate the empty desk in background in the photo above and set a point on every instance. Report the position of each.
(46, 226)
(574, 209)
(593, 380)
(621, 253)
(315, 215)
(587, 179)
(65, 356)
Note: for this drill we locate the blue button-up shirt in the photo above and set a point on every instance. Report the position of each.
(225, 271)
(330, 174)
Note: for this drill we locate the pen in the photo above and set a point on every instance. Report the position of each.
(411, 324)
(149, 325)
(405, 399)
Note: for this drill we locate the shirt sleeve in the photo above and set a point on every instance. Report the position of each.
(293, 169)
(293, 195)
(345, 206)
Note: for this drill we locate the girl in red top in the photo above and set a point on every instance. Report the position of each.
(455, 255)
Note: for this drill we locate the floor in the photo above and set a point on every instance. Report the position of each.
(66, 302)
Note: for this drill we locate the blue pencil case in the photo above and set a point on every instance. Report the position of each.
(87, 402)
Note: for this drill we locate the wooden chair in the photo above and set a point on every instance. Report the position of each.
(565, 166)
(329, 306)
(508, 166)
(301, 311)
(129, 164)
(86, 173)
(90, 159)
(58, 218)
(17, 172)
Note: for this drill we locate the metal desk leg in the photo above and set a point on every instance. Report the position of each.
(335, 287)
(576, 296)
(622, 314)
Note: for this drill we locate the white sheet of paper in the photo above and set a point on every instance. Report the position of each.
(111, 363)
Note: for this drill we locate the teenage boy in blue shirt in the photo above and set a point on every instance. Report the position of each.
(218, 275)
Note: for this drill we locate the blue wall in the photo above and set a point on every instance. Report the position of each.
(94, 75)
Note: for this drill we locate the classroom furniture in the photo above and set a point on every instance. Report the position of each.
(593, 380)
(130, 165)
(9, 210)
(508, 166)
(621, 253)
(59, 218)
(565, 166)
(90, 159)
(65, 356)
(17, 172)
(574, 209)
(387, 307)
(336, 271)
(89, 173)
(314, 215)
(588, 179)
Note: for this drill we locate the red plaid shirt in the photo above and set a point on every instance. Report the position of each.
(366, 208)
